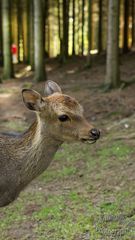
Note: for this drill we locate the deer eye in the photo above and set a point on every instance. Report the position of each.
(63, 118)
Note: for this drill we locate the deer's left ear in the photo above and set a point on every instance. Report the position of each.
(51, 87)
(32, 99)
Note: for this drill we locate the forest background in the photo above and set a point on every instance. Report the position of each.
(88, 47)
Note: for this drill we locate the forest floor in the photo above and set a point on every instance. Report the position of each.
(88, 192)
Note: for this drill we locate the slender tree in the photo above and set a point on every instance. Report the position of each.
(20, 31)
(59, 8)
(89, 32)
(73, 26)
(40, 74)
(133, 25)
(45, 23)
(126, 25)
(1, 42)
(14, 24)
(112, 67)
(48, 36)
(100, 27)
(65, 29)
(59, 20)
(6, 27)
(83, 5)
(79, 27)
(24, 10)
(31, 33)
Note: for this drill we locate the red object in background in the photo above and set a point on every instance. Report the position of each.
(14, 49)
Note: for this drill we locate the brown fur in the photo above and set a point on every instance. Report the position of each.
(24, 158)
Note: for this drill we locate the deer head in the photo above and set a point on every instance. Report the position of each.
(61, 114)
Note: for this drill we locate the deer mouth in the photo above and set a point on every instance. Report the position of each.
(89, 140)
(94, 135)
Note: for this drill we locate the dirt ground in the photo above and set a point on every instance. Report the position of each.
(112, 112)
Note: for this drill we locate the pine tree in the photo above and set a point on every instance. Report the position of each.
(40, 74)
(1, 40)
(83, 5)
(73, 34)
(89, 33)
(6, 27)
(100, 27)
(126, 24)
(133, 25)
(112, 67)
(65, 29)
(31, 33)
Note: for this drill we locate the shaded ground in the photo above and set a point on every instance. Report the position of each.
(88, 192)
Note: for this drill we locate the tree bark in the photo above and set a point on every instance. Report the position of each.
(65, 29)
(133, 25)
(59, 26)
(126, 24)
(1, 40)
(31, 33)
(83, 4)
(20, 32)
(89, 33)
(112, 67)
(45, 22)
(6, 27)
(24, 10)
(40, 74)
(73, 34)
(100, 28)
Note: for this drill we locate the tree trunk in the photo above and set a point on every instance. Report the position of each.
(48, 38)
(73, 33)
(6, 27)
(20, 32)
(45, 22)
(112, 67)
(65, 29)
(100, 28)
(133, 25)
(79, 27)
(46, 28)
(1, 42)
(89, 33)
(31, 33)
(24, 10)
(82, 26)
(126, 23)
(40, 74)
(59, 26)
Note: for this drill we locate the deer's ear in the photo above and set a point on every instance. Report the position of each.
(32, 100)
(51, 87)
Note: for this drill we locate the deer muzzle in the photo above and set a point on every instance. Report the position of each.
(92, 136)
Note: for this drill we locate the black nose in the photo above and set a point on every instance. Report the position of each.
(95, 133)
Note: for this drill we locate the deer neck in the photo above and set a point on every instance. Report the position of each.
(40, 148)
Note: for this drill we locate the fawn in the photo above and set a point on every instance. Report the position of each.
(59, 118)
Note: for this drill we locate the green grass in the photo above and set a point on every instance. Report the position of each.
(8, 90)
(16, 125)
(84, 194)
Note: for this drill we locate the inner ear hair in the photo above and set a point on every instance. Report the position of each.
(32, 99)
(31, 106)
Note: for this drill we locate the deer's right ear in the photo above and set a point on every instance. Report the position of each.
(32, 100)
(51, 87)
